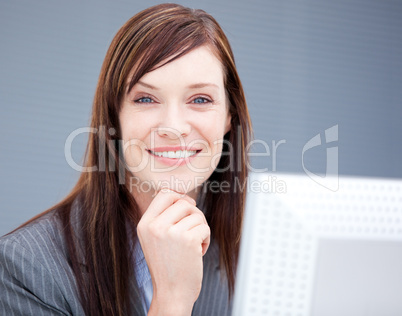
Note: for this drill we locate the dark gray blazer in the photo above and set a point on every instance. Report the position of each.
(36, 278)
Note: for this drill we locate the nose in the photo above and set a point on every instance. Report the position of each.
(174, 122)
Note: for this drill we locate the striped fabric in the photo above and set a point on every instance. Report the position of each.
(142, 275)
(36, 279)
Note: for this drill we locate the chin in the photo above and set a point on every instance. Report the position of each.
(182, 184)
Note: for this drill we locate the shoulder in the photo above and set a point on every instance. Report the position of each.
(34, 271)
(41, 239)
(39, 236)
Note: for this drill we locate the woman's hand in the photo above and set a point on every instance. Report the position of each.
(174, 235)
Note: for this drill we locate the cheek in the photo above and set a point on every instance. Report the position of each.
(215, 131)
(133, 134)
(214, 136)
(134, 127)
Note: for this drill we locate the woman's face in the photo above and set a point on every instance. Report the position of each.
(173, 122)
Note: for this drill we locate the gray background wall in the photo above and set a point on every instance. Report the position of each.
(305, 65)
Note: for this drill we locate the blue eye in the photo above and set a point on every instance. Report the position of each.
(144, 100)
(201, 100)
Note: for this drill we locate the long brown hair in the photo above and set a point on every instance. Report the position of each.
(153, 37)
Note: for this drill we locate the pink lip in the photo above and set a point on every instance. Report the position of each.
(173, 161)
(174, 148)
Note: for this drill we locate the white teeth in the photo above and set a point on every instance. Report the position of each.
(175, 154)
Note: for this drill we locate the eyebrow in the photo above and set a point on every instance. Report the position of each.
(192, 86)
(146, 85)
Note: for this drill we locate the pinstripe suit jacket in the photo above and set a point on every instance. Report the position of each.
(36, 278)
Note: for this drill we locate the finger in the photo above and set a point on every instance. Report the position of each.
(204, 233)
(189, 199)
(183, 195)
(188, 222)
(179, 210)
(176, 212)
(162, 201)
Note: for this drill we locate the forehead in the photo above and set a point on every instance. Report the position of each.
(198, 65)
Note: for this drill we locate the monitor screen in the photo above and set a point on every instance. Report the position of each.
(314, 250)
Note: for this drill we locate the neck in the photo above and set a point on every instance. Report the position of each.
(143, 199)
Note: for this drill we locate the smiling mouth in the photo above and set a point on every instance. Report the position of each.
(178, 154)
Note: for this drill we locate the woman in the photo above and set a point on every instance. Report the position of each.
(171, 126)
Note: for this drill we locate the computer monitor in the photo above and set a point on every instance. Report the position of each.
(307, 250)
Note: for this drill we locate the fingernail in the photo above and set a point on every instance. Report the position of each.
(192, 200)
